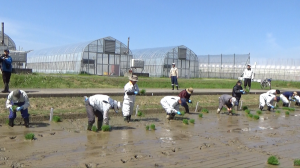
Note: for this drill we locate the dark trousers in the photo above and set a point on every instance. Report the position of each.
(247, 81)
(174, 80)
(91, 113)
(6, 79)
(185, 105)
(24, 113)
(237, 101)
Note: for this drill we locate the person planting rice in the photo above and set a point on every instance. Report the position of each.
(297, 98)
(171, 105)
(131, 90)
(273, 91)
(99, 105)
(268, 99)
(227, 100)
(185, 98)
(237, 92)
(18, 101)
(286, 97)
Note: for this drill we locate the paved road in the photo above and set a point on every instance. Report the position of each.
(118, 92)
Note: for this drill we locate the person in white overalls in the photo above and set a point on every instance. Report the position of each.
(171, 106)
(131, 90)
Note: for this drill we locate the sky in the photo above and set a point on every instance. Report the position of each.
(267, 29)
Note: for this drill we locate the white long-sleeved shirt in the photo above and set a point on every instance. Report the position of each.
(129, 87)
(170, 103)
(272, 92)
(23, 99)
(269, 98)
(102, 103)
(248, 74)
(174, 72)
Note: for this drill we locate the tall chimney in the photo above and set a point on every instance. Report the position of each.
(2, 42)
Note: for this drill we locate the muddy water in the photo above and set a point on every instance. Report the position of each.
(213, 141)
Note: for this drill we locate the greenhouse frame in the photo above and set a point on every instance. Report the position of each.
(105, 56)
(8, 43)
(158, 61)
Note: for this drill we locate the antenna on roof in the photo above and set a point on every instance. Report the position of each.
(2, 42)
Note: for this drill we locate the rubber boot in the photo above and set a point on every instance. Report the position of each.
(129, 117)
(269, 108)
(4, 91)
(168, 116)
(11, 122)
(172, 87)
(125, 118)
(172, 116)
(218, 111)
(89, 127)
(26, 122)
(261, 108)
(99, 124)
(177, 87)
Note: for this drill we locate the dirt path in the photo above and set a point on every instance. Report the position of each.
(213, 141)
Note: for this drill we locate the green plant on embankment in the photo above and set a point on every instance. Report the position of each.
(29, 136)
(273, 160)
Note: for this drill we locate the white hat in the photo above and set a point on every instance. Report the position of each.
(173, 63)
(248, 65)
(233, 100)
(117, 105)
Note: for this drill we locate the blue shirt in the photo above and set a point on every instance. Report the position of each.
(7, 64)
(288, 95)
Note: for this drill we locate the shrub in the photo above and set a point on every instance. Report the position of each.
(259, 112)
(185, 121)
(256, 117)
(56, 119)
(250, 115)
(247, 111)
(192, 121)
(204, 110)
(277, 111)
(152, 126)
(143, 92)
(94, 128)
(105, 128)
(200, 115)
(29, 136)
(245, 108)
(147, 127)
(297, 162)
(273, 160)
(287, 113)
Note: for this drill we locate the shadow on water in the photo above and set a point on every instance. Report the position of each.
(39, 124)
(146, 119)
(233, 114)
(122, 128)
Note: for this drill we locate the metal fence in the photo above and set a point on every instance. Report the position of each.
(222, 66)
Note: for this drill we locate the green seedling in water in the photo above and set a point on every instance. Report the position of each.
(29, 136)
(152, 126)
(192, 121)
(256, 117)
(277, 111)
(56, 119)
(287, 113)
(204, 110)
(105, 128)
(185, 121)
(140, 114)
(259, 112)
(182, 113)
(247, 111)
(273, 160)
(297, 162)
(14, 108)
(250, 115)
(291, 109)
(200, 115)
(147, 127)
(245, 108)
(143, 92)
(94, 128)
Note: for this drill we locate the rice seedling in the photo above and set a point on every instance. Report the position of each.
(105, 128)
(250, 115)
(247, 111)
(256, 117)
(204, 110)
(56, 119)
(278, 111)
(245, 108)
(94, 128)
(29, 136)
(152, 126)
(287, 113)
(185, 121)
(297, 162)
(259, 112)
(273, 160)
(192, 121)
(14, 108)
(200, 115)
(143, 92)
(147, 127)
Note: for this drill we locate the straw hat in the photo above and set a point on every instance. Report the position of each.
(190, 90)
(133, 78)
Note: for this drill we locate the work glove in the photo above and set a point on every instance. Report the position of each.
(85, 98)
(272, 107)
(190, 101)
(241, 91)
(136, 92)
(178, 112)
(19, 108)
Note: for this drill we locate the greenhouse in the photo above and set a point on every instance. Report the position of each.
(8, 43)
(158, 61)
(105, 56)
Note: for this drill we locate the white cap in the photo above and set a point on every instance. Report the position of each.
(233, 100)
(117, 105)
(248, 65)
(173, 63)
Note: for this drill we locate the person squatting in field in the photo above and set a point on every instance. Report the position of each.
(227, 100)
(171, 106)
(185, 98)
(99, 105)
(267, 99)
(131, 90)
(20, 99)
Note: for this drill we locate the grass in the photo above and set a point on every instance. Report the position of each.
(204, 110)
(247, 111)
(256, 117)
(278, 111)
(192, 121)
(259, 112)
(56, 119)
(287, 113)
(297, 162)
(152, 126)
(185, 121)
(94, 128)
(143, 92)
(147, 127)
(200, 115)
(40, 80)
(273, 160)
(245, 108)
(105, 128)
(29, 136)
